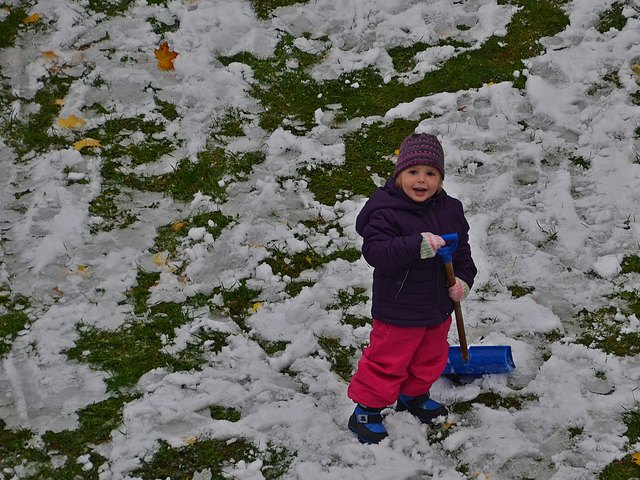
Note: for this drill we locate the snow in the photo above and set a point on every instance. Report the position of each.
(537, 220)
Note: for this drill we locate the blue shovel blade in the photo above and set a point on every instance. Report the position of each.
(483, 359)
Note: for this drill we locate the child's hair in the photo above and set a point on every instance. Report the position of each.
(420, 149)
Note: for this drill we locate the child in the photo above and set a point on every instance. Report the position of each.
(412, 304)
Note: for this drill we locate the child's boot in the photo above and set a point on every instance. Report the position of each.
(367, 424)
(422, 406)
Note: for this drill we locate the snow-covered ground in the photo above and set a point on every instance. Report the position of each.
(508, 158)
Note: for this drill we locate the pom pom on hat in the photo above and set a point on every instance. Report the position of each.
(420, 149)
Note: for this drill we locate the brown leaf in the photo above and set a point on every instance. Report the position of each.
(165, 57)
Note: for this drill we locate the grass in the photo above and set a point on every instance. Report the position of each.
(11, 25)
(34, 134)
(627, 467)
(293, 265)
(493, 400)
(63, 454)
(169, 237)
(289, 96)
(342, 358)
(367, 153)
(612, 18)
(603, 328)
(212, 456)
(292, 94)
(351, 298)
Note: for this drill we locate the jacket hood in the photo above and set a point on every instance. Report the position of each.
(390, 196)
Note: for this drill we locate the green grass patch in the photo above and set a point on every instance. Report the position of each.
(213, 456)
(602, 330)
(367, 153)
(11, 25)
(35, 133)
(134, 348)
(15, 452)
(341, 358)
(624, 469)
(291, 93)
(630, 264)
(219, 412)
(612, 18)
(110, 8)
(74, 447)
(294, 287)
(349, 298)
(493, 400)
(237, 302)
(285, 92)
(167, 109)
(201, 343)
(229, 124)
(10, 325)
(210, 174)
(518, 291)
(293, 265)
(170, 237)
(160, 28)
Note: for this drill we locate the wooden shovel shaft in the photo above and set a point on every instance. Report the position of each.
(457, 309)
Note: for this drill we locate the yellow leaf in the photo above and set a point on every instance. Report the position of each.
(636, 458)
(49, 55)
(448, 425)
(71, 122)
(177, 226)
(86, 142)
(35, 18)
(490, 84)
(165, 57)
(256, 306)
(59, 101)
(309, 260)
(161, 258)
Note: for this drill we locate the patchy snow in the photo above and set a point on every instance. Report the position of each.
(537, 220)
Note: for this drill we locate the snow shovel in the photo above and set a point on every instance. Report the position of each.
(475, 360)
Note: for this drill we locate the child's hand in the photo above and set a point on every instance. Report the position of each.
(459, 290)
(430, 244)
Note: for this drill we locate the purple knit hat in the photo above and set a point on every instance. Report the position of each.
(420, 149)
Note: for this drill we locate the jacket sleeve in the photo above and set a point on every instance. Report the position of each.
(382, 247)
(463, 264)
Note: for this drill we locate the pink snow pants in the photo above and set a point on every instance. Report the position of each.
(399, 360)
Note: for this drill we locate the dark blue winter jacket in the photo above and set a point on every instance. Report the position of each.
(408, 290)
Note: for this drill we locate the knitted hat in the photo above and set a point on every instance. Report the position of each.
(420, 149)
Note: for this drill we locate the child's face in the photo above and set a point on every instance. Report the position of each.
(420, 182)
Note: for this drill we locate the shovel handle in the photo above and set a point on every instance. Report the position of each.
(451, 280)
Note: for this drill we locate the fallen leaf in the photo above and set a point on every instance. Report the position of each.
(35, 18)
(177, 226)
(49, 55)
(396, 152)
(86, 142)
(59, 101)
(165, 57)
(309, 260)
(636, 458)
(256, 306)
(58, 292)
(161, 258)
(71, 122)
